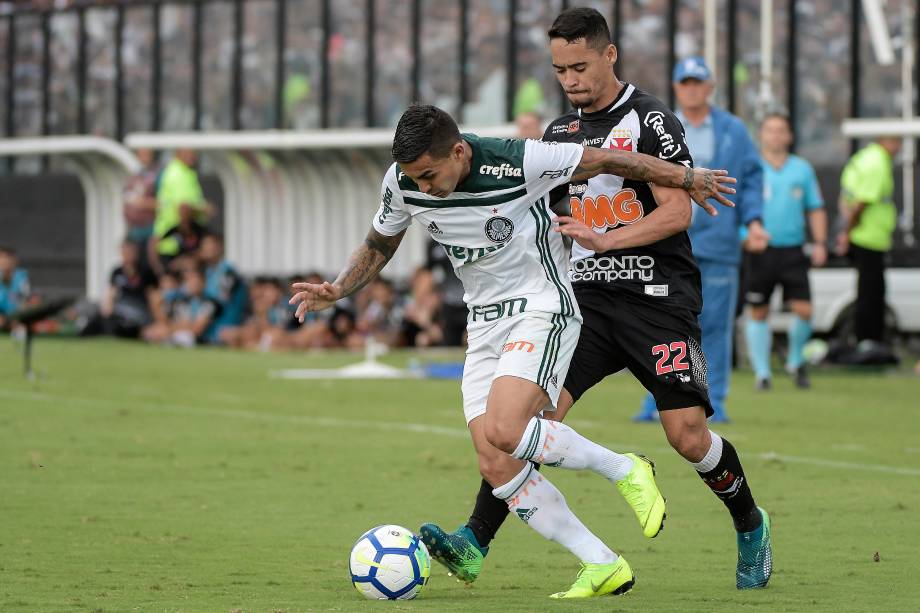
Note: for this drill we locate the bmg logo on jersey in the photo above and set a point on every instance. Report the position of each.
(501, 171)
(605, 211)
(499, 229)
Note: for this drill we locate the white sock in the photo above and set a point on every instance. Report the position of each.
(541, 506)
(556, 444)
(712, 457)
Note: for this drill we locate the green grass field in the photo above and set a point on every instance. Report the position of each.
(145, 479)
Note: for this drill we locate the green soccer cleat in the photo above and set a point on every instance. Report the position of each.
(458, 551)
(600, 580)
(641, 492)
(755, 556)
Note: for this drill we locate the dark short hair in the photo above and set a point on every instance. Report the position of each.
(581, 22)
(424, 129)
(7, 250)
(777, 115)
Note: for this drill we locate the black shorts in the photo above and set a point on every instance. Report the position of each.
(785, 266)
(660, 347)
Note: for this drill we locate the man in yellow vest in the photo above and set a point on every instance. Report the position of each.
(181, 212)
(867, 207)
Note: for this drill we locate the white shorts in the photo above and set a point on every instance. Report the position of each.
(534, 345)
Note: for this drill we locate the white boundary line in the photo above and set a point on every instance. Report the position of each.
(427, 429)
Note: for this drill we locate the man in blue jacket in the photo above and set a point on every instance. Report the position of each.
(718, 139)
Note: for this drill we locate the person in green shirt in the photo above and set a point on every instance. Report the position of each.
(870, 218)
(181, 211)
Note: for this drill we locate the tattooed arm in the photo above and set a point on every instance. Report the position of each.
(702, 183)
(363, 265)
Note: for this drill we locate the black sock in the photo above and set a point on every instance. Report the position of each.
(488, 515)
(727, 481)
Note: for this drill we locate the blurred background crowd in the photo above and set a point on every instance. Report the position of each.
(86, 67)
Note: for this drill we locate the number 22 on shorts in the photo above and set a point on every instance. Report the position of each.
(675, 353)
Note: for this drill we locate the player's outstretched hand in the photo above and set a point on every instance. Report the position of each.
(581, 233)
(314, 297)
(712, 184)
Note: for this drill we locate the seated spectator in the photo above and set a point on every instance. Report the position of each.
(379, 314)
(223, 285)
(421, 326)
(186, 236)
(14, 286)
(268, 327)
(315, 330)
(131, 299)
(181, 209)
(188, 315)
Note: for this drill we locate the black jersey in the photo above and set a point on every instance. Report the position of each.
(663, 272)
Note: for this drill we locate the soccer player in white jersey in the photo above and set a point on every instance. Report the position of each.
(486, 201)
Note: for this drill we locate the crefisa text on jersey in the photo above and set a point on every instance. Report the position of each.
(503, 170)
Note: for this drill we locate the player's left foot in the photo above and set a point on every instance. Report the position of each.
(800, 375)
(641, 492)
(600, 580)
(755, 556)
(457, 550)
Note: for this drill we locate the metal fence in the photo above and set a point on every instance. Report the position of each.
(112, 67)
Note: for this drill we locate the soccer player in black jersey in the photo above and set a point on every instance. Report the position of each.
(639, 291)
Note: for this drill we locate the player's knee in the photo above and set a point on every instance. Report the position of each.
(502, 434)
(802, 310)
(690, 442)
(759, 312)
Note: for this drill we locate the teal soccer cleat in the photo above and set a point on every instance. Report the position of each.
(458, 551)
(755, 556)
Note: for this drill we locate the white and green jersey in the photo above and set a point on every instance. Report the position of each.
(496, 227)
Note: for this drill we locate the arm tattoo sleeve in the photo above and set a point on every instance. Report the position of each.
(629, 165)
(367, 260)
(688, 179)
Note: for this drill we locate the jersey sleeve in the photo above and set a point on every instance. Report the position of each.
(392, 217)
(813, 198)
(548, 165)
(662, 134)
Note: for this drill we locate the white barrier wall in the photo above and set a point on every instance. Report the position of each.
(103, 166)
(299, 201)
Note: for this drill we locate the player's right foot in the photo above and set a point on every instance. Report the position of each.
(599, 580)
(755, 556)
(458, 551)
(641, 492)
(762, 384)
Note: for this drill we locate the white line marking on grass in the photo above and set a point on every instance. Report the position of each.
(332, 422)
(897, 470)
(848, 447)
(198, 411)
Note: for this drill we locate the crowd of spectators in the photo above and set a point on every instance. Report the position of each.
(174, 285)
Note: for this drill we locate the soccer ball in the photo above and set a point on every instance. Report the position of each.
(389, 563)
